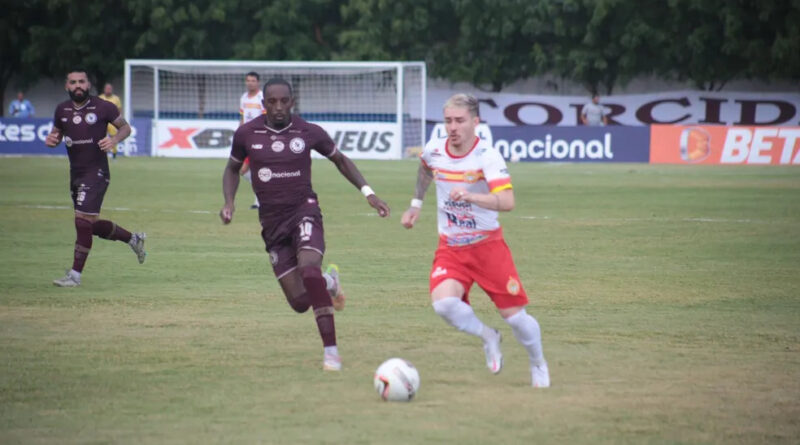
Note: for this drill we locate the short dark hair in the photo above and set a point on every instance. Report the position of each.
(278, 81)
(252, 74)
(78, 69)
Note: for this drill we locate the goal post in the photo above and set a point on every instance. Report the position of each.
(372, 110)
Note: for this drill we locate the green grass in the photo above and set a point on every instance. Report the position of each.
(669, 299)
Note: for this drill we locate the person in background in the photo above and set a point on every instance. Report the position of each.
(593, 113)
(109, 96)
(20, 107)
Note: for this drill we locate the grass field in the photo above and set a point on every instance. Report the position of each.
(669, 298)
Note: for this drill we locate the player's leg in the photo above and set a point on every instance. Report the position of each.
(308, 263)
(503, 286)
(284, 263)
(448, 303)
(110, 230)
(83, 244)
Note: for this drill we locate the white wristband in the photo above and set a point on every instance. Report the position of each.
(367, 190)
(416, 203)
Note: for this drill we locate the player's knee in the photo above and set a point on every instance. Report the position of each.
(311, 273)
(444, 306)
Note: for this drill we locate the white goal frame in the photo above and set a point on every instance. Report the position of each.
(243, 66)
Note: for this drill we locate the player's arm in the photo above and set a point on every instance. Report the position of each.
(500, 201)
(230, 183)
(56, 133)
(123, 131)
(583, 115)
(424, 178)
(351, 172)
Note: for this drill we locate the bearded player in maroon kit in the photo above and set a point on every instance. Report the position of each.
(82, 122)
(279, 146)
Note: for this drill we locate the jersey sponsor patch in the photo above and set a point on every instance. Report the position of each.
(91, 118)
(297, 145)
(257, 146)
(68, 141)
(264, 174)
(278, 146)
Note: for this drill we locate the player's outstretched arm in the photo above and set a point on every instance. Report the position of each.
(502, 201)
(230, 183)
(351, 172)
(123, 131)
(424, 178)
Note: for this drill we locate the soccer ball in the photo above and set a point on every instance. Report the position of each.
(396, 380)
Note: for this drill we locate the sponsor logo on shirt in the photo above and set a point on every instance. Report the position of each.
(297, 145)
(265, 174)
(465, 239)
(461, 221)
(278, 146)
(91, 118)
(257, 146)
(70, 142)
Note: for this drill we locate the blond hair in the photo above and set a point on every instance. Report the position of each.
(462, 100)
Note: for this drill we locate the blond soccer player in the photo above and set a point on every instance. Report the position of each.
(472, 186)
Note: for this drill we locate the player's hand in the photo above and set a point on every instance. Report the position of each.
(226, 214)
(106, 144)
(409, 217)
(379, 205)
(458, 194)
(53, 138)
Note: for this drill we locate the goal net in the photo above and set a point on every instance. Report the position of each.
(372, 110)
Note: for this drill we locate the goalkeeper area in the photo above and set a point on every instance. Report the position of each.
(365, 93)
(667, 296)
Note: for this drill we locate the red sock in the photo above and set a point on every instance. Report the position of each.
(321, 302)
(83, 243)
(109, 230)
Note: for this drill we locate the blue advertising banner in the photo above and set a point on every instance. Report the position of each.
(26, 137)
(565, 144)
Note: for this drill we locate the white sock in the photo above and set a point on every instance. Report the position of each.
(331, 350)
(329, 283)
(526, 330)
(75, 274)
(461, 316)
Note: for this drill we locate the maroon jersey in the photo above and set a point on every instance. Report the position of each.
(83, 128)
(280, 161)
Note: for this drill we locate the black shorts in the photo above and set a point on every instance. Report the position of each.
(287, 234)
(88, 191)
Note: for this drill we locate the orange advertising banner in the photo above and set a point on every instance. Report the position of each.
(708, 144)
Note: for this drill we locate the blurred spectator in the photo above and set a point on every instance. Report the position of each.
(593, 113)
(20, 107)
(108, 95)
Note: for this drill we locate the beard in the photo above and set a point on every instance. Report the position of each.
(78, 95)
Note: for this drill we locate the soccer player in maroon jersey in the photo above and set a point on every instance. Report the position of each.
(279, 145)
(82, 123)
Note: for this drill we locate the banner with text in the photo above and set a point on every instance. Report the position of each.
(674, 107)
(702, 144)
(212, 138)
(564, 144)
(26, 137)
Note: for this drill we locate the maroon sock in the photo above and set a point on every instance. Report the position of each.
(109, 230)
(321, 302)
(83, 243)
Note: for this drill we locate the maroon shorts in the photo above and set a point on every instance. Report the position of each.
(88, 191)
(284, 240)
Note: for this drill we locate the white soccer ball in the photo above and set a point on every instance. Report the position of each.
(396, 380)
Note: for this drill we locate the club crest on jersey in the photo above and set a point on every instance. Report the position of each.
(471, 177)
(513, 286)
(278, 146)
(91, 118)
(297, 145)
(257, 146)
(76, 119)
(264, 174)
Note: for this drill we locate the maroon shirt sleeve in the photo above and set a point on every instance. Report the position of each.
(323, 143)
(57, 118)
(238, 150)
(110, 111)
